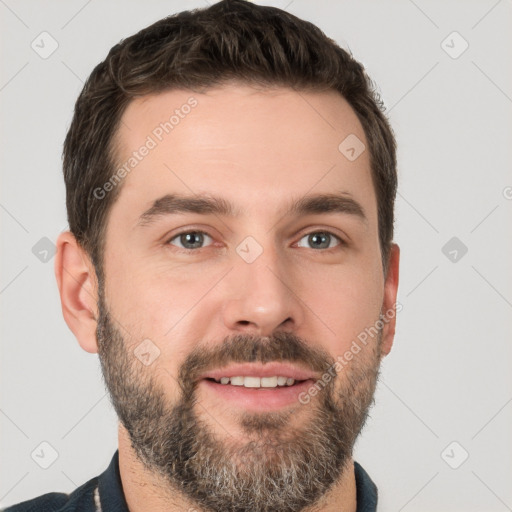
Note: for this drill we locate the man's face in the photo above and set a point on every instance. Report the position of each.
(189, 296)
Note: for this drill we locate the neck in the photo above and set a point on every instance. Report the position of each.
(144, 490)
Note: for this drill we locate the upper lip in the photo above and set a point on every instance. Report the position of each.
(260, 370)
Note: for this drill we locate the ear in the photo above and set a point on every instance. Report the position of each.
(389, 309)
(78, 289)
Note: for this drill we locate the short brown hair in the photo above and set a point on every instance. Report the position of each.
(233, 40)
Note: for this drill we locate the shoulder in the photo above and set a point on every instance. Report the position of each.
(80, 500)
(52, 501)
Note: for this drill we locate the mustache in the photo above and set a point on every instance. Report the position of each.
(243, 348)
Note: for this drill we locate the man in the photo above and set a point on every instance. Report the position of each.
(230, 185)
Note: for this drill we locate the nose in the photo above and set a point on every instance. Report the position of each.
(262, 297)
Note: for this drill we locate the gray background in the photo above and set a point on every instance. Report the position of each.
(448, 376)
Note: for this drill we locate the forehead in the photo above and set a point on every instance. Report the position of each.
(242, 144)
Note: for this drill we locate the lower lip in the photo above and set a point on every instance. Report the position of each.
(260, 399)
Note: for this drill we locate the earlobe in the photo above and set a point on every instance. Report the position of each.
(77, 283)
(389, 310)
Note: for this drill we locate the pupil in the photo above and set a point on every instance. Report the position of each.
(189, 238)
(319, 239)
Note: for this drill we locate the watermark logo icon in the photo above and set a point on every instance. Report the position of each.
(454, 45)
(351, 147)
(44, 250)
(249, 249)
(455, 455)
(44, 45)
(454, 249)
(44, 455)
(146, 352)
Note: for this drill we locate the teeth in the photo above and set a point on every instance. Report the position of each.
(252, 382)
(268, 382)
(257, 382)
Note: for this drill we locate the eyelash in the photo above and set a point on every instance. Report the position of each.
(341, 242)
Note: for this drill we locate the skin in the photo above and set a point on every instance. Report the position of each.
(260, 150)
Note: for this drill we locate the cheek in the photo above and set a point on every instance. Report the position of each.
(158, 303)
(346, 302)
(162, 308)
(161, 304)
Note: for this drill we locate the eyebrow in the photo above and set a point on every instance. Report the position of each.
(172, 204)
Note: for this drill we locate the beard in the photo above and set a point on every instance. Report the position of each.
(278, 465)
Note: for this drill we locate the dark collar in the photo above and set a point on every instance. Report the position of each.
(366, 490)
(111, 488)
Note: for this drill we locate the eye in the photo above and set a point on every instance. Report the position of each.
(321, 240)
(190, 240)
(193, 240)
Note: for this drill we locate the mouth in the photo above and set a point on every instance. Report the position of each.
(258, 387)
